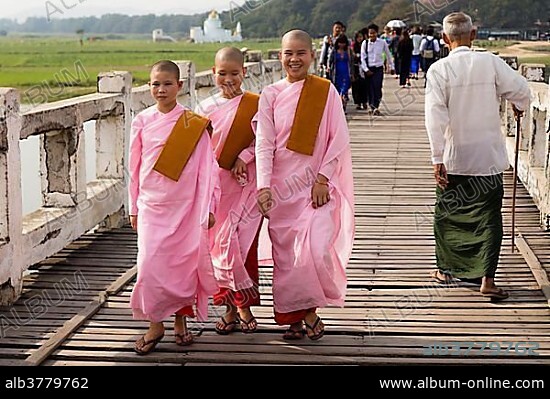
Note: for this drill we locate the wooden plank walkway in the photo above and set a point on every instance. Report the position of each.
(393, 310)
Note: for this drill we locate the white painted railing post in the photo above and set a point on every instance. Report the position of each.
(187, 74)
(63, 167)
(112, 136)
(534, 160)
(11, 211)
(111, 130)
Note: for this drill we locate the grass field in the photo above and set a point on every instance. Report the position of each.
(494, 44)
(28, 62)
(36, 65)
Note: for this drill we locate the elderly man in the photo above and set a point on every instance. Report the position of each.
(469, 155)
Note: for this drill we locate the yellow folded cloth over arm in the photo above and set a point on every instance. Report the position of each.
(309, 113)
(181, 144)
(240, 135)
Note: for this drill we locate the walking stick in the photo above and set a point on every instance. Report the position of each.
(518, 140)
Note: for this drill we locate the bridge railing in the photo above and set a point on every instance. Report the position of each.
(534, 157)
(70, 205)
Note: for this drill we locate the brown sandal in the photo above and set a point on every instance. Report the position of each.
(184, 339)
(142, 343)
(443, 281)
(228, 327)
(250, 326)
(497, 295)
(294, 335)
(311, 328)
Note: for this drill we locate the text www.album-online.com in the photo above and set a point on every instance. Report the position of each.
(435, 383)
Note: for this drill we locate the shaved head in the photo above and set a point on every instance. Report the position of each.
(298, 35)
(229, 54)
(167, 66)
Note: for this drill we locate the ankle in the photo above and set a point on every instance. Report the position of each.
(297, 326)
(231, 310)
(156, 328)
(244, 311)
(311, 316)
(488, 283)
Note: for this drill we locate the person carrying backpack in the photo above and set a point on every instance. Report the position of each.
(429, 50)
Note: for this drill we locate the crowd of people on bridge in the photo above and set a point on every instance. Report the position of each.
(360, 63)
(203, 182)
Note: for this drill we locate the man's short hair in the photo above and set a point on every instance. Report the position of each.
(338, 23)
(457, 24)
(374, 27)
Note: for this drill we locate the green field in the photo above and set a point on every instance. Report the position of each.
(37, 63)
(28, 62)
(494, 44)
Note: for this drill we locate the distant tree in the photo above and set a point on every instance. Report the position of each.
(395, 9)
(80, 33)
(3, 33)
(271, 18)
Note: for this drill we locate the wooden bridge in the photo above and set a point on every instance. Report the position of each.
(74, 309)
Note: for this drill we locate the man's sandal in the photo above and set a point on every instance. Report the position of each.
(497, 295)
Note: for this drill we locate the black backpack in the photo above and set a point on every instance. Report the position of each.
(429, 51)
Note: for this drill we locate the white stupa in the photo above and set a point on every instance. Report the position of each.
(213, 31)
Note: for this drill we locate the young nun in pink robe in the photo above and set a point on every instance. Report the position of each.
(171, 217)
(308, 198)
(234, 238)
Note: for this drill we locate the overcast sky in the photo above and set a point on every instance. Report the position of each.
(22, 9)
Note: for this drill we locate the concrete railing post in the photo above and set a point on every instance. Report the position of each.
(63, 167)
(112, 137)
(187, 74)
(111, 131)
(11, 209)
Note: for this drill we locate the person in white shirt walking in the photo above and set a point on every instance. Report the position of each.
(372, 64)
(469, 155)
(417, 40)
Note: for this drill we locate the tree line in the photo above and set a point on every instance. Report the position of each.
(271, 18)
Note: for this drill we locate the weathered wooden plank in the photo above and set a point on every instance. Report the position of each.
(72, 325)
(535, 266)
(302, 358)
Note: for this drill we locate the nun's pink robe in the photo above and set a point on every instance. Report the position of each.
(174, 266)
(234, 239)
(311, 247)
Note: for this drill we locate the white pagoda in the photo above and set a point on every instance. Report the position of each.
(213, 31)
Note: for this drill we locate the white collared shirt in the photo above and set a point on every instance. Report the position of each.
(417, 39)
(375, 51)
(462, 111)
